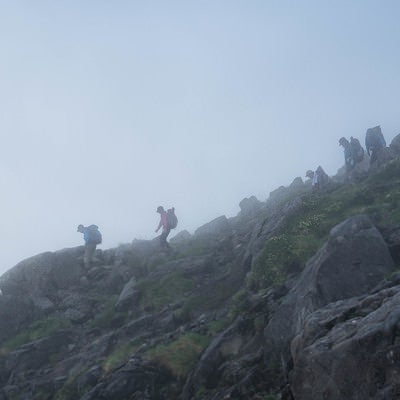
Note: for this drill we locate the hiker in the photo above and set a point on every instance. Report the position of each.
(348, 156)
(165, 228)
(357, 152)
(168, 221)
(374, 141)
(92, 237)
(314, 179)
(319, 178)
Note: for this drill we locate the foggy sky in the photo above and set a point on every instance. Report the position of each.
(112, 108)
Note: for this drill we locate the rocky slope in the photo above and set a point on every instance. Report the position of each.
(296, 298)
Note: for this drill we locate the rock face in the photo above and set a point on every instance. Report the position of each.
(215, 227)
(383, 156)
(352, 262)
(250, 206)
(366, 328)
(395, 146)
(145, 325)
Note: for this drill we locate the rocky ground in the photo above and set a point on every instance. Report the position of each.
(297, 297)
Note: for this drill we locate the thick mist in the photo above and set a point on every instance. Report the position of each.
(109, 110)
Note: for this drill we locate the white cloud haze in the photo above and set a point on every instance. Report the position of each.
(109, 109)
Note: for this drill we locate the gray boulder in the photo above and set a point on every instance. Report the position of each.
(129, 296)
(297, 183)
(395, 146)
(15, 314)
(250, 206)
(137, 380)
(349, 350)
(182, 236)
(44, 273)
(352, 262)
(383, 156)
(217, 226)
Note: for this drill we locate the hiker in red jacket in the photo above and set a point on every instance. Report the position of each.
(165, 228)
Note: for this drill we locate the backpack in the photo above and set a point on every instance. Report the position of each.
(94, 235)
(172, 220)
(374, 138)
(357, 152)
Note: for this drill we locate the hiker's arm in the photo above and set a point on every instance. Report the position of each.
(159, 225)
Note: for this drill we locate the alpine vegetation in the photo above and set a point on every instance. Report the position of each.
(285, 301)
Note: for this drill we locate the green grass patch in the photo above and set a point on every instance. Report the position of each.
(217, 326)
(239, 303)
(37, 330)
(120, 355)
(69, 390)
(378, 197)
(170, 288)
(282, 255)
(179, 356)
(194, 247)
(109, 318)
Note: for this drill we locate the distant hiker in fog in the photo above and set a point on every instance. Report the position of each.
(165, 229)
(168, 221)
(357, 152)
(349, 160)
(353, 155)
(92, 237)
(374, 141)
(319, 178)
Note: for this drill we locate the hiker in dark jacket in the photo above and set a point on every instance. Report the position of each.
(348, 156)
(357, 152)
(92, 237)
(374, 141)
(165, 228)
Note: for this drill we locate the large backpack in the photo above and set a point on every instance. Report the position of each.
(357, 152)
(374, 138)
(172, 220)
(94, 235)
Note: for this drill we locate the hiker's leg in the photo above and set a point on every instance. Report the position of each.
(163, 239)
(167, 246)
(373, 156)
(89, 251)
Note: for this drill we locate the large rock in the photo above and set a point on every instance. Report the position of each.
(137, 380)
(395, 146)
(383, 156)
(16, 313)
(35, 354)
(129, 296)
(352, 262)
(297, 183)
(238, 341)
(217, 226)
(249, 207)
(270, 221)
(350, 350)
(44, 273)
(181, 237)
